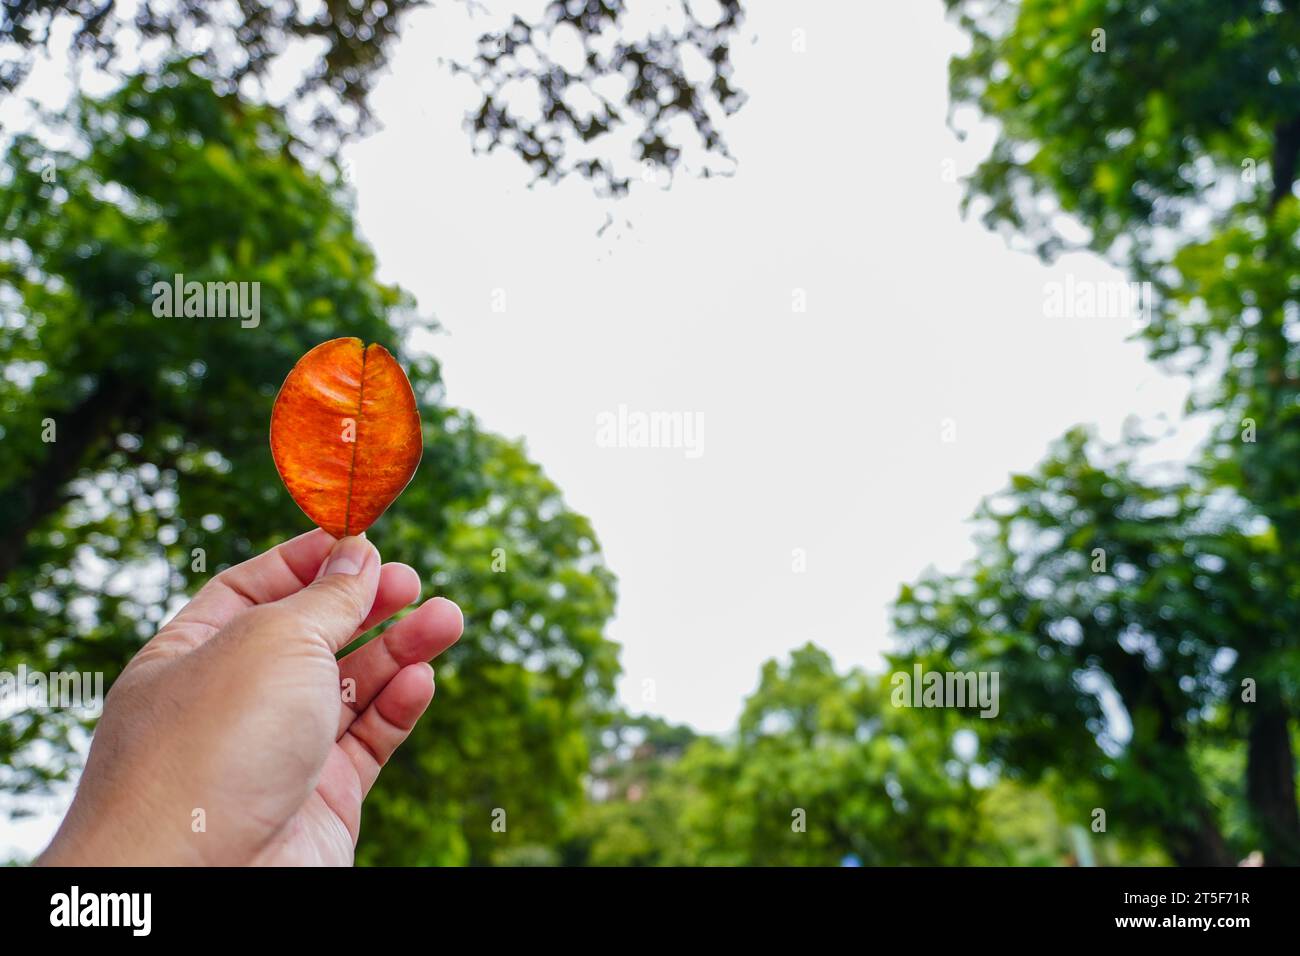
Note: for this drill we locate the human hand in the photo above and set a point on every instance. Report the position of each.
(239, 709)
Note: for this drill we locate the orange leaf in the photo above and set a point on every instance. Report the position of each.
(345, 434)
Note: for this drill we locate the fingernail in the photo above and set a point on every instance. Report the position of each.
(349, 556)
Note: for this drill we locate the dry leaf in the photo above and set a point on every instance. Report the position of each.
(345, 434)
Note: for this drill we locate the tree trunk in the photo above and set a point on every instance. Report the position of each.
(1191, 837)
(1270, 763)
(1199, 843)
(29, 499)
(1270, 784)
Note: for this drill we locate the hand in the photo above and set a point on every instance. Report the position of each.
(237, 714)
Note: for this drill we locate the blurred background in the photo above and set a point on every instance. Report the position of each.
(979, 320)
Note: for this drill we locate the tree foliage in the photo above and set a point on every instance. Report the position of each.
(822, 770)
(1169, 133)
(672, 105)
(1122, 614)
(615, 108)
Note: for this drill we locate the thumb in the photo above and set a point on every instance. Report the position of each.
(334, 605)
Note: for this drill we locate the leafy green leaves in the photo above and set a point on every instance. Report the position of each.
(1170, 132)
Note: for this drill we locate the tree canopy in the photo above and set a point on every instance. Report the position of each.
(666, 88)
(1147, 626)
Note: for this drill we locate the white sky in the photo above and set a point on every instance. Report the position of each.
(822, 430)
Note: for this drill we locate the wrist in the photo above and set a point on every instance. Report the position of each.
(122, 843)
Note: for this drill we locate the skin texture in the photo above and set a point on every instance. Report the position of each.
(235, 708)
(345, 434)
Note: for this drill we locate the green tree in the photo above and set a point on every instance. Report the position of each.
(822, 767)
(1122, 616)
(635, 796)
(159, 473)
(1169, 132)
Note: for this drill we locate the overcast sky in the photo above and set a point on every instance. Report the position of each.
(823, 431)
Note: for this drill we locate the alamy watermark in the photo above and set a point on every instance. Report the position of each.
(133, 911)
(1086, 299)
(209, 300)
(29, 690)
(628, 428)
(923, 688)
